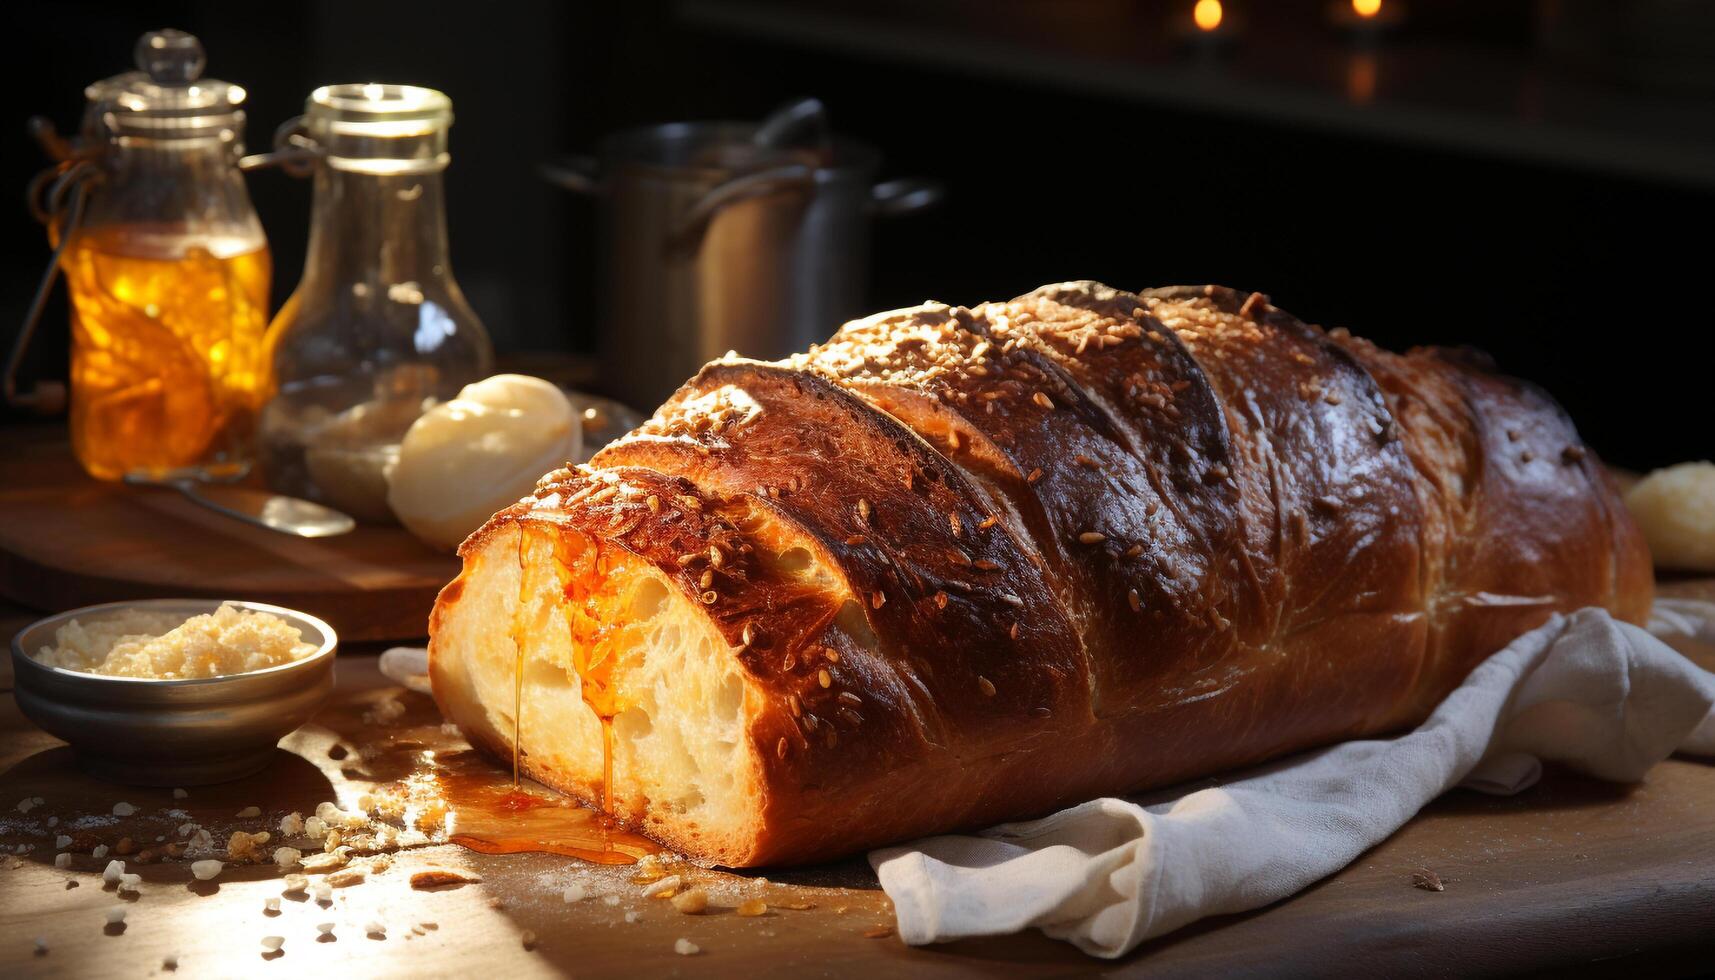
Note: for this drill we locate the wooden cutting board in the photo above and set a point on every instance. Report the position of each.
(67, 540)
(1574, 877)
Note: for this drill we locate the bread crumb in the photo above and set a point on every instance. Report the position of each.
(170, 962)
(350, 876)
(1427, 880)
(435, 877)
(684, 947)
(246, 847)
(633, 916)
(319, 863)
(752, 908)
(879, 932)
(528, 939)
(292, 825)
(286, 857)
(41, 945)
(694, 901)
(206, 870)
(663, 886)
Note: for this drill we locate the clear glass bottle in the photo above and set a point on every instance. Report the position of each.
(168, 272)
(377, 330)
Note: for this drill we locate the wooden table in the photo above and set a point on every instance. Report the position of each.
(1572, 875)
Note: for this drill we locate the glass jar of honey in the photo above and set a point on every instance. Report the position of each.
(168, 273)
(377, 331)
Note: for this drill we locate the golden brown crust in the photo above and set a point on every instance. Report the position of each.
(1090, 541)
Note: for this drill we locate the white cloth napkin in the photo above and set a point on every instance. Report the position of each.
(1601, 696)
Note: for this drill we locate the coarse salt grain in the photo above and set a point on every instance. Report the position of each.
(100, 851)
(291, 825)
(272, 943)
(323, 892)
(286, 857)
(633, 916)
(610, 900)
(271, 903)
(325, 928)
(62, 860)
(123, 809)
(110, 874)
(116, 915)
(574, 893)
(684, 947)
(656, 887)
(170, 961)
(131, 883)
(41, 945)
(375, 927)
(294, 884)
(29, 803)
(62, 842)
(205, 870)
(179, 794)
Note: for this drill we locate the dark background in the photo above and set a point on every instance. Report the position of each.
(1534, 178)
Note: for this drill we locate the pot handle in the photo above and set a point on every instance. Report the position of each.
(908, 195)
(577, 173)
(769, 181)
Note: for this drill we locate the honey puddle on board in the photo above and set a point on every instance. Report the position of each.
(487, 813)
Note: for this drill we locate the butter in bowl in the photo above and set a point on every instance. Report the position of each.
(173, 692)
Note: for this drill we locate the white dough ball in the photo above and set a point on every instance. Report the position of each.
(479, 453)
(1675, 508)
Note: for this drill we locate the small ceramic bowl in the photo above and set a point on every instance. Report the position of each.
(172, 732)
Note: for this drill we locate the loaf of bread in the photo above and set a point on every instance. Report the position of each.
(958, 566)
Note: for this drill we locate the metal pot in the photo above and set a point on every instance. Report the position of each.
(715, 241)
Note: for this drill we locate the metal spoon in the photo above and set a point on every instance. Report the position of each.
(276, 512)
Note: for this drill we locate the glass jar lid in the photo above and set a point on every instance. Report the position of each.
(379, 128)
(167, 97)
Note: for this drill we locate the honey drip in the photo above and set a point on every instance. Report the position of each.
(596, 640)
(559, 825)
(518, 650)
(168, 367)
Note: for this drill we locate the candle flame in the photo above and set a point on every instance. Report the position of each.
(1207, 14)
(1366, 8)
